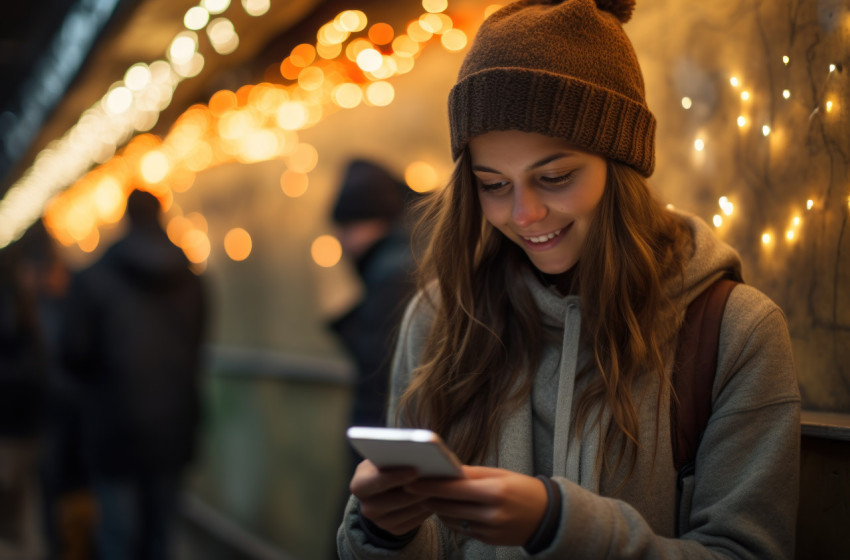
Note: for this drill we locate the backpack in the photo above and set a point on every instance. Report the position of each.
(693, 374)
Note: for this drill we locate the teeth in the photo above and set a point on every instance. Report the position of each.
(543, 238)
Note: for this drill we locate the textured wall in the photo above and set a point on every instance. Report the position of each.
(693, 49)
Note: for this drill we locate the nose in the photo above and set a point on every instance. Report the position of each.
(528, 208)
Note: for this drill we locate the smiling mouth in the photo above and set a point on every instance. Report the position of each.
(543, 238)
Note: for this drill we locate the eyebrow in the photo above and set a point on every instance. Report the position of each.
(535, 165)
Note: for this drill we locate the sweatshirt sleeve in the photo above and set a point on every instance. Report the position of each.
(352, 540)
(745, 491)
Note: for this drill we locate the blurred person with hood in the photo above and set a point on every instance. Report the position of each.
(133, 340)
(370, 215)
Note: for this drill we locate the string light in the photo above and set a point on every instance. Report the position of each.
(765, 130)
(766, 238)
(742, 121)
(686, 103)
(717, 220)
(786, 94)
(734, 81)
(785, 60)
(699, 144)
(745, 95)
(810, 204)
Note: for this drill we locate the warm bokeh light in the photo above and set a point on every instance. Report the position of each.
(421, 176)
(311, 78)
(404, 45)
(380, 94)
(326, 251)
(119, 100)
(454, 40)
(222, 101)
(766, 238)
(196, 18)
(435, 6)
(154, 166)
(303, 55)
(699, 144)
(717, 220)
(786, 93)
(369, 60)
(292, 115)
(810, 204)
(222, 35)
(137, 77)
(745, 95)
(294, 184)
(183, 47)
(687, 103)
(734, 81)
(109, 200)
(726, 206)
(742, 121)
(418, 33)
(347, 95)
(303, 159)
(196, 246)
(381, 33)
(765, 130)
(789, 235)
(351, 20)
(256, 8)
(237, 244)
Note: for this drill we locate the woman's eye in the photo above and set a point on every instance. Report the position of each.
(491, 186)
(559, 179)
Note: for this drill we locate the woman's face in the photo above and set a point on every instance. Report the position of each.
(540, 192)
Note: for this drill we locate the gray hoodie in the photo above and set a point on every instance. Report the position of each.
(742, 500)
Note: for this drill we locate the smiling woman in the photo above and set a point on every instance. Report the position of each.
(541, 344)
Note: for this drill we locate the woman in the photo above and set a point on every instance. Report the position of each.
(542, 341)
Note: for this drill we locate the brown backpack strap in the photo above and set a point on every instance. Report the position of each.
(694, 371)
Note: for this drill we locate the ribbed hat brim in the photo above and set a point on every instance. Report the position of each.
(595, 119)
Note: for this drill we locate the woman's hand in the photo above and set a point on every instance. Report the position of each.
(383, 500)
(495, 506)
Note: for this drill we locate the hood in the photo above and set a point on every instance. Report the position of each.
(711, 259)
(149, 256)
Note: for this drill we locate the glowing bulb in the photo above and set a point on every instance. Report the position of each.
(699, 144)
(786, 94)
(742, 122)
(734, 81)
(237, 244)
(435, 6)
(717, 220)
(745, 95)
(789, 235)
(369, 60)
(686, 103)
(421, 176)
(196, 18)
(726, 206)
(119, 100)
(765, 130)
(796, 221)
(828, 106)
(765, 238)
(832, 68)
(786, 60)
(326, 251)
(137, 77)
(809, 204)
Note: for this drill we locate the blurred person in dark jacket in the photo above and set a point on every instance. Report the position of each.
(22, 406)
(372, 227)
(134, 336)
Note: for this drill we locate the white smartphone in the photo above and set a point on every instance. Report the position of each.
(405, 447)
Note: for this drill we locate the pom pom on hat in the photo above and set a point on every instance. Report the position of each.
(622, 9)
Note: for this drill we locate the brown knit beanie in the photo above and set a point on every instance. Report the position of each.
(563, 69)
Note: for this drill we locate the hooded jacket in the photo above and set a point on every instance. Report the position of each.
(133, 340)
(742, 501)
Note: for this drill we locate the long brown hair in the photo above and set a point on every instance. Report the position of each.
(485, 342)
